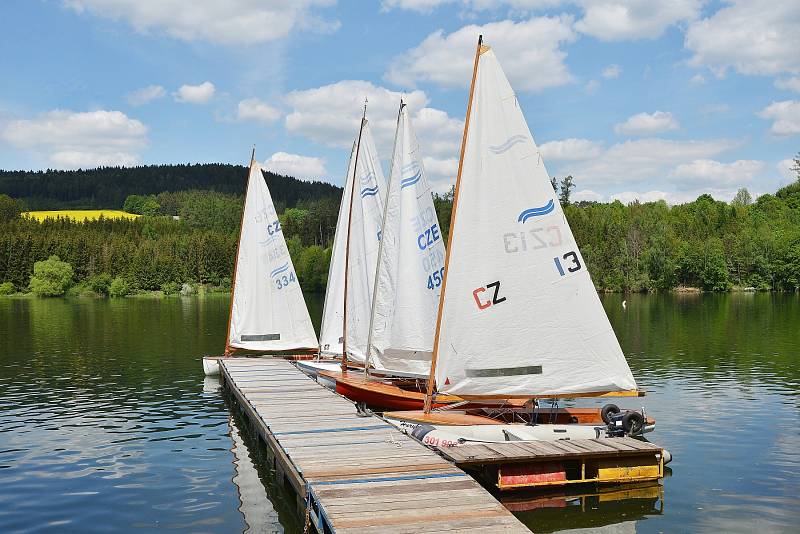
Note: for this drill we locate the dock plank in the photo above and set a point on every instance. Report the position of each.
(364, 475)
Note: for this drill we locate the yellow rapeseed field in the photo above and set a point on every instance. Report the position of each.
(80, 215)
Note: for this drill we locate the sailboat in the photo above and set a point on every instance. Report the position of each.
(401, 304)
(518, 318)
(267, 311)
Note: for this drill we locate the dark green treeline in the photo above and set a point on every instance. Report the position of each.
(707, 244)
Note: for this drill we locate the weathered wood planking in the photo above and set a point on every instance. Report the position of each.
(490, 453)
(360, 474)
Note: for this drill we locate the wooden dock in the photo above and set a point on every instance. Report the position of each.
(352, 473)
(515, 465)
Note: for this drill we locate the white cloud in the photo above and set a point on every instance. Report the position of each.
(647, 123)
(642, 160)
(441, 172)
(428, 6)
(697, 79)
(614, 20)
(529, 51)
(303, 167)
(751, 36)
(570, 150)
(330, 114)
(195, 94)
(145, 95)
(230, 22)
(786, 170)
(587, 195)
(79, 139)
(785, 116)
(253, 109)
(612, 71)
(710, 173)
(591, 87)
(789, 84)
(626, 197)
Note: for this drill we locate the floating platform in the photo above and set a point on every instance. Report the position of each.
(352, 473)
(516, 465)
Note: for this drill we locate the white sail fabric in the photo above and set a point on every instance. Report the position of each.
(365, 226)
(268, 311)
(521, 316)
(332, 329)
(410, 266)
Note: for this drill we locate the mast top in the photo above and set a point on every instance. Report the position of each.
(364, 116)
(253, 155)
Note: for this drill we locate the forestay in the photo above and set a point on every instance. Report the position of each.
(520, 317)
(410, 264)
(365, 226)
(332, 329)
(268, 312)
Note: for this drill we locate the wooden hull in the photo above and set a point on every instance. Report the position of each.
(383, 395)
(561, 416)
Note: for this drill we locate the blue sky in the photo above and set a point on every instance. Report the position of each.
(635, 98)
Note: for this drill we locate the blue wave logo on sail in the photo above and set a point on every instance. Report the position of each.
(369, 191)
(405, 182)
(279, 270)
(510, 142)
(536, 212)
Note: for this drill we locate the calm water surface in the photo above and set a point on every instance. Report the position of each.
(107, 424)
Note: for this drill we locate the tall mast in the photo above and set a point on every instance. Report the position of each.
(347, 246)
(380, 246)
(228, 349)
(435, 355)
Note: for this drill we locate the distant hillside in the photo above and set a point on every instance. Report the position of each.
(109, 186)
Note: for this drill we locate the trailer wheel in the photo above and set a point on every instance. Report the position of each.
(607, 411)
(632, 423)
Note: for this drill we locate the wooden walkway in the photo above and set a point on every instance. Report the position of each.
(356, 474)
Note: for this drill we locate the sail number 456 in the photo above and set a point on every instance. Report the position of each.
(573, 265)
(435, 279)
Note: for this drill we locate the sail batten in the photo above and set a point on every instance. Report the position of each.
(268, 313)
(520, 317)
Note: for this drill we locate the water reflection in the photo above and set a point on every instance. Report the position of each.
(106, 420)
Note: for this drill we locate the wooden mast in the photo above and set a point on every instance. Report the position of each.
(228, 348)
(347, 246)
(435, 355)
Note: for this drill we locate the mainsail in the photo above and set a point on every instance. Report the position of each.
(268, 312)
(520, 316)
(410, 265)
(364, 236)
(331, 334)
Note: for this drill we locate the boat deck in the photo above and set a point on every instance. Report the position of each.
(355, 474)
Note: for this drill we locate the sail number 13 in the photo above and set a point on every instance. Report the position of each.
(571, 262)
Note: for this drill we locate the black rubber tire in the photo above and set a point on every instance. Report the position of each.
(607, 411)
(633, 423)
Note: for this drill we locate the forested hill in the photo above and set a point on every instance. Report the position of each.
(108, 187)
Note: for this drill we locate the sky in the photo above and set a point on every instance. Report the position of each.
(647, 99)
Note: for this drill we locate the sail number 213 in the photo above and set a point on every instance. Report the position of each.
(571, 262)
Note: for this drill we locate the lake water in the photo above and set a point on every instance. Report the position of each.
(107, 424)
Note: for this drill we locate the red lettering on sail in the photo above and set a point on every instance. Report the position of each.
(481, 305)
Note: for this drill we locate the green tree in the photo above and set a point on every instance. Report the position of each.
(7, 288)
(119, 287)
(10, 208)
(51, 277)
(742, 198)
(566, 187)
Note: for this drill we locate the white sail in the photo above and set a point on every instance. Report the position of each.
(332, 329)
(365, 226)
(268, 312)
(520, 314)
(410, 266)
